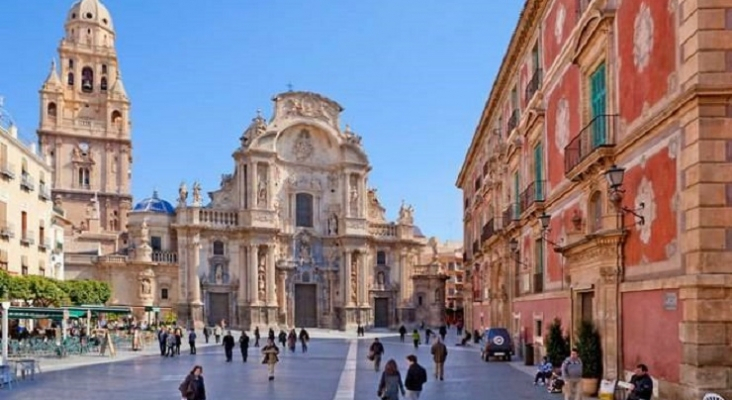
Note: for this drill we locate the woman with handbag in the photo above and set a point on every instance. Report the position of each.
(192, 387)
(270, 352)
(391, 382)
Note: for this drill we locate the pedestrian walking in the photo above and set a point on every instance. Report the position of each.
(244, 346)
(217, 333)
(415, 338)
(572, 375)
(170, 343)
(427, 334)
(270, 352)
(376, 351)
(178, 340)
(271, 334)
(193, 387)
(256, 336)
(390, 384)
(206, 333)
(402, 333)
(443, 332)
(292, 340)
(192, 341)
(439, 355)
(228, 344)
(304, 339)
(282, 338)
(162, 341)
(415, 379)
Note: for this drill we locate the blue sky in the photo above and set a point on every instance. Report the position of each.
(413, 77)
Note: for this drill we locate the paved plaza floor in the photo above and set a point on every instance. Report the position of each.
(333, 368)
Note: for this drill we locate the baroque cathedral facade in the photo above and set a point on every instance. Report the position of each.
(293, 236)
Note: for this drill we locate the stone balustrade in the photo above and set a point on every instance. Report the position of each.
(383, 230)
(112, 258)
(218, 218)
(165, 257)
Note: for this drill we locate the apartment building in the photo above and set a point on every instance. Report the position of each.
(29, 236)
(597, 185)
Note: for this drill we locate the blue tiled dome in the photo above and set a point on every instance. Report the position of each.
(417, 232)
(154, 204)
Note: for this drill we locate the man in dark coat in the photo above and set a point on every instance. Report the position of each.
(641, 384)
(228, 343)
(439, 354)
(256, 336)
(244, 346)
(415, 379)
(402, 332)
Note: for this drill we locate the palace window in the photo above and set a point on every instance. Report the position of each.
(84, 181)
(381, 257)
(218, 248)
(304, 210)
(156, 242)
(87, 80)
(164, 293)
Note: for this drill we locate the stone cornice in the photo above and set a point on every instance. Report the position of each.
(529, 19)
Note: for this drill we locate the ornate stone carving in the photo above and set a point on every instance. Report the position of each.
(353, 195)
(261, 273)
(182, 194)
(433, 245)
(354, 277)
(145, 287)
(309, 105)
(333, 181)
(144, 232)
(262, 181)
(376, 210)
(333, 224)
(352, 137)
(406, 214)
(609, 274)
(197, 200)
(303, 147)
(643, 37)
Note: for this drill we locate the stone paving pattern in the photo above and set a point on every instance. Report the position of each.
(313, 375)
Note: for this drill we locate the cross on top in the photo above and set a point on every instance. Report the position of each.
(289, 87)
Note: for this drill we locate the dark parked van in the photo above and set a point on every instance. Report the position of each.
(498, 344)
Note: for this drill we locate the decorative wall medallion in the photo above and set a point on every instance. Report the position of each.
(559, 23)
(643, 37)
(646, 196)
(303, 147)
(561, 127)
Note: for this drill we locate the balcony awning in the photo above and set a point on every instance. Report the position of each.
(42, 313)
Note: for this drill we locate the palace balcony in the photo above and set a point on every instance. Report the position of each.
(43, 192)
(592, 145)
(534, 84)
(533, 196)
(218, 218)
(383, 230)
(26, 182)
(165, 257)
(7, 170)
(7, 231)
(512, 121)
(489, 230)
(27, 238)
(511, 214)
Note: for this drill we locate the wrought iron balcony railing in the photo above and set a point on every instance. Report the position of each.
(534, 193)
(534, 84)
(599, 133)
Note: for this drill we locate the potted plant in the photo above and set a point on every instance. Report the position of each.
(590, 352)
(557, 344)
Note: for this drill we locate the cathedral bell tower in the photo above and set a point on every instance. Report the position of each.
(84, 123)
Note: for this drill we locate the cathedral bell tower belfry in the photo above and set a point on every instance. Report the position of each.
(84, 128)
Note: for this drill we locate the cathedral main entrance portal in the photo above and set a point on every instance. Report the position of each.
(381, 312)
(218, 308)
(306, 309)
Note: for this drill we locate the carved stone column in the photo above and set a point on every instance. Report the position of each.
(194, 282)
(271, 282)
(365, 264)
(124, 169)
(347, 279)
(403, 277)
(243, 274)
(253, 281)
(253, 185)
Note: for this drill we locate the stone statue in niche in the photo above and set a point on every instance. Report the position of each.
(146, 286)
(354, 277)
(219, 274)
(380, 279)
(261, 262)
(197, 200)
(303, 148)
(304, 253)
(354, 200)
(182, 194)
(333, 224)
(406, 214)
(262, 186)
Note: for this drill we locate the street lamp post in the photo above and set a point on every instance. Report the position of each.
(615, 176)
